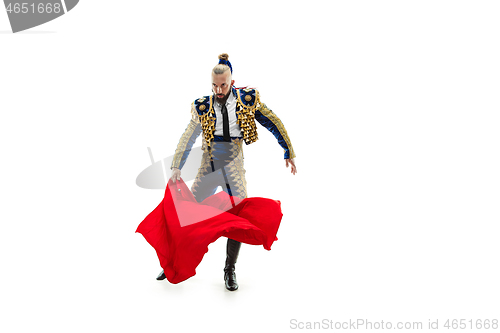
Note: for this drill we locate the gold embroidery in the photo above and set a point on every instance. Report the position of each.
(204, 169)
(208, 125)
(181, 146)
(234, 169)
(246, 119)
(248, 98)
(237, 171)
(202, 107)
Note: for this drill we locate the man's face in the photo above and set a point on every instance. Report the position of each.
(221, 86)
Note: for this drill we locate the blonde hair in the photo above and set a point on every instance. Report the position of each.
(221, 68)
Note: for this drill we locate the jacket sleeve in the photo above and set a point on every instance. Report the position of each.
(267, 118)
(187, 140)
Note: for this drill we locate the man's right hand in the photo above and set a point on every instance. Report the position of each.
(176, 174)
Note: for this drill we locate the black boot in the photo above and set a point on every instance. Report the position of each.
(161, 276)
(232, 250)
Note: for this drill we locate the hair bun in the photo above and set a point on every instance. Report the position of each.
(223, 56)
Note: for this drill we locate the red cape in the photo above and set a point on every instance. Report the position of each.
(180, 229)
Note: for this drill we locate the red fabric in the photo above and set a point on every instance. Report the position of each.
(180, 229)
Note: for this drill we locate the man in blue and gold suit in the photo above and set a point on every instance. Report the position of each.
(226, 119)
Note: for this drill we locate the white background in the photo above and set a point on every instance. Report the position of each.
(393, 111)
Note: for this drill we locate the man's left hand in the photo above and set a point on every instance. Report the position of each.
(291, 161)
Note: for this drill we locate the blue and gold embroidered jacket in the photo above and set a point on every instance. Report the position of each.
(248, 109)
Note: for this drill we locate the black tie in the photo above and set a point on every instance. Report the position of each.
(225, 123)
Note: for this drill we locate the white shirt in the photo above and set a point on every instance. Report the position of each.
(234, 128)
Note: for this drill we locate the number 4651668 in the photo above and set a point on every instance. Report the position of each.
(32, 8)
